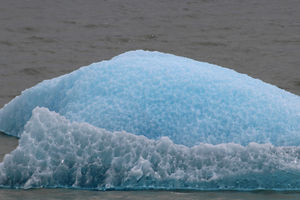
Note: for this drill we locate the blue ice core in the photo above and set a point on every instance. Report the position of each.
(156, 94)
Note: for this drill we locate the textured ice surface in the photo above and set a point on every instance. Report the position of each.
(152, 120)
(54, 152)
(156, 94)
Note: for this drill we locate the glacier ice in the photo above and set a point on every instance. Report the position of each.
(54, 152)
(156, 94)
(150, 120)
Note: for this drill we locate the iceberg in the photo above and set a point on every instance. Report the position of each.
(156, 94)
(151, 120)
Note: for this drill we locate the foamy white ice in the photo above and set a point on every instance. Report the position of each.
(54, 152)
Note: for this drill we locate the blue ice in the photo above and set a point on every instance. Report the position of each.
(157, 94)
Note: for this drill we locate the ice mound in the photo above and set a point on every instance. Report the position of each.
(156, 94)
(54, 152)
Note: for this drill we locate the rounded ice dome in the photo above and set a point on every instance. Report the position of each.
(156, 94)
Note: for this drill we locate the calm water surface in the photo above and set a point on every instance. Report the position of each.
(63, 194)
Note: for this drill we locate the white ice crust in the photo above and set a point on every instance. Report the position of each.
(54, 152)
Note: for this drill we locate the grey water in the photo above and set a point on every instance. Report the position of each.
(43, 39)
(63, 194)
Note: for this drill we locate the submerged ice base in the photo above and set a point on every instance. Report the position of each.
(55, 152)
(156, 94)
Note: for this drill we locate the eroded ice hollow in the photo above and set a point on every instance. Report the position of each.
(156, 94)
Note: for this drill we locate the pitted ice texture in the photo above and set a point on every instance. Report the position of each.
(156, 94)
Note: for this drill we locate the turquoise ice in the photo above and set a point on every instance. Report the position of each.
(156, 94)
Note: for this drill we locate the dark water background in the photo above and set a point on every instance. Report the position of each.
(63, 194)
(44, 39)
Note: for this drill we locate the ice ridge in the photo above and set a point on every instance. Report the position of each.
(54, 152)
